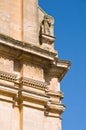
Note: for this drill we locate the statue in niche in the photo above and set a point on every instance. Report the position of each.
(45, 25)
(46, 30)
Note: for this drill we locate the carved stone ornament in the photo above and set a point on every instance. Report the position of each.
(46, 37)
(45, 25)
(8, 76)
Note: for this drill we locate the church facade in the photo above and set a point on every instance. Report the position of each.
(30, 70)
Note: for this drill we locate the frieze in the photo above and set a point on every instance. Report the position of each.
(26, 47)
(8, 76)
(34, 83)
(23, 80)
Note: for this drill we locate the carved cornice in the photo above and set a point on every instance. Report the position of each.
(59, 107)
(34, 83)
(24, 47)
(54, 108)
(20, 94)
(24, 81)
(58, 69)
(56, 94)
(8, 76)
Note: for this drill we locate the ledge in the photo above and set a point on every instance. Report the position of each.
(8, 76)
(56, 108)
(27, 47)
(56, 94)
(47, 38)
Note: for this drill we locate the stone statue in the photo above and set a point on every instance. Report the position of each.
(46, 31)
(45, 25)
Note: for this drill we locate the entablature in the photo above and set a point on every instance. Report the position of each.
(25, 48)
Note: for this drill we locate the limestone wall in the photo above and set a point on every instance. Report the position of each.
(9, 117)
(30, 71)
(19, 19)
(30, 21)
(10, 18)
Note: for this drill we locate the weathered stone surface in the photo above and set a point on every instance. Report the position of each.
(33, 71)
(6, 64)
(9, 117)
(30, 21)
(18, 19)
(10, 18)
(30, 71)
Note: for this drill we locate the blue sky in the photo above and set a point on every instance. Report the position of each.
(70, 32)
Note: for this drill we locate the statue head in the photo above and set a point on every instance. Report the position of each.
(46, 18)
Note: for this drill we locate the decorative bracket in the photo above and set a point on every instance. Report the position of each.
(18, 99)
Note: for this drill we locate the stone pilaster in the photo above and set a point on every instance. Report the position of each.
(30, 71)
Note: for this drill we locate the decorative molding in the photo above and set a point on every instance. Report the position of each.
(47, 39)
(23, 95)
(34, 83)
(55, 108)
(42, 98)
(23, 80)
(58, 71)
(47, 42)
(56, 94)
(20, 94)
(8, 76)
(18, 99)
(27, 48)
